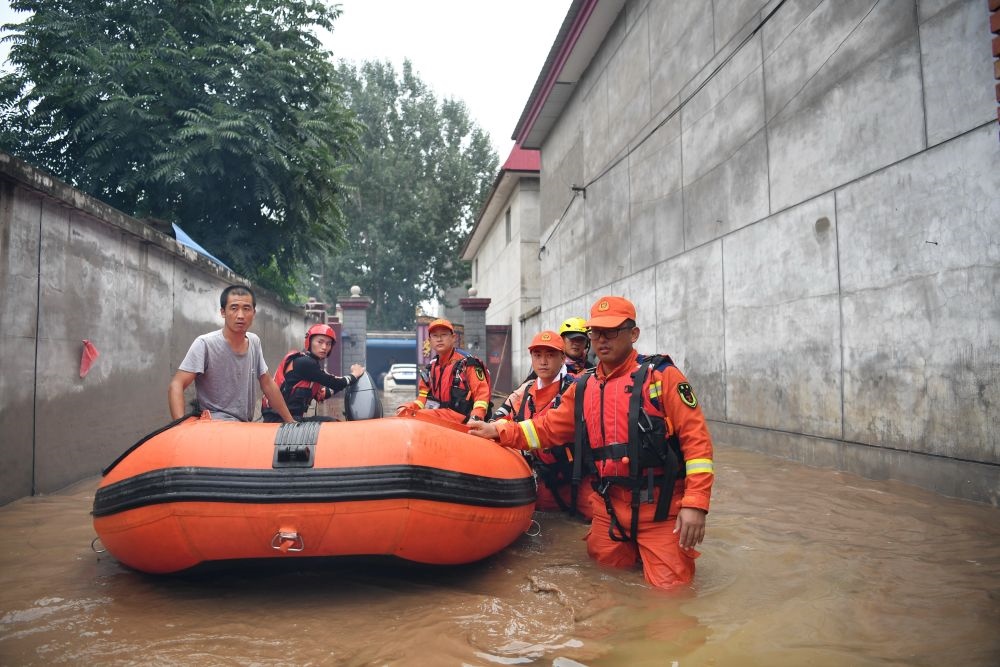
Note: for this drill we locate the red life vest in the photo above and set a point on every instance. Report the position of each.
(317, 390)
(447, 385)
(528, 410)
(630, 442)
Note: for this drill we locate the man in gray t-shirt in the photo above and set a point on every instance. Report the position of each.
(226, 365)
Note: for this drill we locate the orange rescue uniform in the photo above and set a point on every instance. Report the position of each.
(665, 393)
(438, 394)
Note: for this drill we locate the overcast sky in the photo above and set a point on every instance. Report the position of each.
(488, 54)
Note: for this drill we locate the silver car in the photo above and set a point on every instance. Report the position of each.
(400, 376)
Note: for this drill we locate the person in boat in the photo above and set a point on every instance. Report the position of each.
(226, 365)
(456, 383)
(576, 345)
(553, 466)
(643, 430)
(302, 378)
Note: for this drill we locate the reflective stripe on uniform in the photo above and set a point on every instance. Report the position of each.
(530, 434)
(655, 389)
(481, 404)
(696, 466)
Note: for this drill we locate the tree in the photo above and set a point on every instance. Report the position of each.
(224, 117)
(424, 170)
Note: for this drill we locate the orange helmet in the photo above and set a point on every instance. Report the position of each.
(320, 330)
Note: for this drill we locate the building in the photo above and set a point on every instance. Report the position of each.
(503, 244)
(801, 197)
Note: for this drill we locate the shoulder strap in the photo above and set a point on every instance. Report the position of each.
(581, 440)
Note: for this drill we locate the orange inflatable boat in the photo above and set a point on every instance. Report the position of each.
(205, 490)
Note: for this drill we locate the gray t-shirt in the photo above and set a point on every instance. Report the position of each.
(227, 382)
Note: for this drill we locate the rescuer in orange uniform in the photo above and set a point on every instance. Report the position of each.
(647, 438)
(553, 466)
(457, 383)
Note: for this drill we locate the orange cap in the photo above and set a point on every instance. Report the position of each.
(549, 339)
(440, 324)
(610, 312)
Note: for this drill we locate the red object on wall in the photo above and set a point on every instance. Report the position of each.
(88, 357)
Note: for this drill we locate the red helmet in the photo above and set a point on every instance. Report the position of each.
(320, 330)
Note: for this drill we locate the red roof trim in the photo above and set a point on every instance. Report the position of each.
(523, 159)
(550, 81)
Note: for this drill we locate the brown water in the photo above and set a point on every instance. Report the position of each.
(800, 567)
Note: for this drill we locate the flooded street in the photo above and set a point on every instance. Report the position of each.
(800, 566)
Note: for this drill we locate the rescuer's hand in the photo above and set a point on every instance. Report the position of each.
(407, 409)
(690, 527)
(484, 430)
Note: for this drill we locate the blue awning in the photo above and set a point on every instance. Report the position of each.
(186, 240)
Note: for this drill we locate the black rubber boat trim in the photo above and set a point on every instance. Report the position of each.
(309, 485)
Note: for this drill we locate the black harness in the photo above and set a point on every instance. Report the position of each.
(461, 400)
(648, 448)
(559, 473)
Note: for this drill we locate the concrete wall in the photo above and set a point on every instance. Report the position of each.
(72, 268)
(809, 224)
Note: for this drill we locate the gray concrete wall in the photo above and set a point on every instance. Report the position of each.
(72, 268)
(809, 224)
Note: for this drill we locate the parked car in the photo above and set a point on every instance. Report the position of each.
(400, 376)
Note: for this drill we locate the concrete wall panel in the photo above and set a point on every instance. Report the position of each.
(656, 205)
(628, 86)
(595, 120)
(732, 17)
(681, 38)
(859, 112)
(608, 230)
(958, 70)
(921, 316)
(19, 219)
(782, 322)
(720, 120)
(690, 324)
(729, 197)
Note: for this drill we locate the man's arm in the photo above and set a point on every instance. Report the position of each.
(274, 398)
(175, 392)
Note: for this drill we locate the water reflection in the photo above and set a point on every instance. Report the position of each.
(800, 566)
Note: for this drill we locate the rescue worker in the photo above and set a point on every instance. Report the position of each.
(642, 427)
(456, 383)
(576, 345)
(301, 378)
(553, 466)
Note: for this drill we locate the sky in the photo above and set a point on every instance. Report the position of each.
(487, 54)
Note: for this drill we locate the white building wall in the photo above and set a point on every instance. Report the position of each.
(508, 271)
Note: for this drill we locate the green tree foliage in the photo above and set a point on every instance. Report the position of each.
(424, 171)
(224, 117)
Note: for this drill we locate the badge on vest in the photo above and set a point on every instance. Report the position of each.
(687, 395)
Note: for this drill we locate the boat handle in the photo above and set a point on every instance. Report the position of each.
(287, 541)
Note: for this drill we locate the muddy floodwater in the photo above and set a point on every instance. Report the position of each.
(801, 566)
